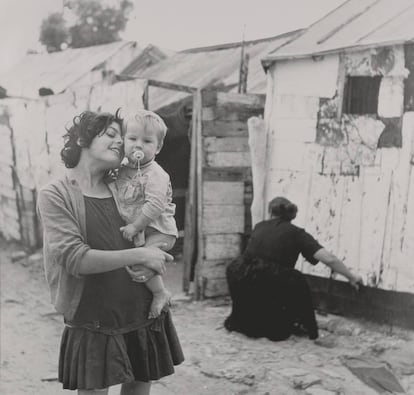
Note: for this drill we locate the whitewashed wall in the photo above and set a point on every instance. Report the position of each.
(31, 134)
(366, 219)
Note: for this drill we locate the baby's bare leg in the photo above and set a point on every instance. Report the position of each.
(161, 296)
(158, 239)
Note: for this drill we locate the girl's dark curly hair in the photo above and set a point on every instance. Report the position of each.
(84, 129)
(283, 208)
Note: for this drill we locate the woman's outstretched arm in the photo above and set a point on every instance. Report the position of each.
(338, 266)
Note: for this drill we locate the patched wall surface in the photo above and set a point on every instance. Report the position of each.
(341, 135)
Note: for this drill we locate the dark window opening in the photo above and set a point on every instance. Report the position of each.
(361, 95)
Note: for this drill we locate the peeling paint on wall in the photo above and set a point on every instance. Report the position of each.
(382, 60)
(329, 130)
(391, 136)
(386, 61)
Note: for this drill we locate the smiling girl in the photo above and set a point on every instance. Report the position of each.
(108, 338)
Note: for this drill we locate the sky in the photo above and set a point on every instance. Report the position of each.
(172, 24)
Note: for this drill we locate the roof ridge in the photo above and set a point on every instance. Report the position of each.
(236, 44)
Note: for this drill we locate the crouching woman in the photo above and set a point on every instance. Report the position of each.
(269, 297)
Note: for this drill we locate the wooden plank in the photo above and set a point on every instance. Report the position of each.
(350, 226)
(397, 271)
(225, 128)
(408, 241)
(375, 203)
(197, 107)
(213, 269)
(215, 287)
(323, 216)
(230, 99)
(341, 85)
(145, 96)
(226, 144)
(190, 219)
(222, 246)
(384, 307)
(172, 86)
(228, 159)
(220, 192)
(223, 219)
(226, 174)
(224, 113)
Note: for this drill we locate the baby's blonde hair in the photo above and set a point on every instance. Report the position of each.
(146, 119)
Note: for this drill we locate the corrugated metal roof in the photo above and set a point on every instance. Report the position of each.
(56, 71)
(211, 66)
(147, 58)
(355, 24)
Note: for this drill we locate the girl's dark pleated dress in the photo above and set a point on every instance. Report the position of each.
(110, 340)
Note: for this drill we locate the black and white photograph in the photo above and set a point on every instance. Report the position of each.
(207, 197)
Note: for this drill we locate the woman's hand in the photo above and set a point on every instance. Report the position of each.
(355, 281)
(140, 275)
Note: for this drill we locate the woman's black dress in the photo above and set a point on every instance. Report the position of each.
(270, 298)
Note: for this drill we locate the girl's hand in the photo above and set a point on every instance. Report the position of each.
(140, 275)
(155, 259)
(128, 232)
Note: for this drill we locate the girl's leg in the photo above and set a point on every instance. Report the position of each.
(93, 392)
(136, 388)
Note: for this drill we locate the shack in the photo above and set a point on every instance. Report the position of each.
(53, 73)
(206, 95)
(206, 151)
(339, 127)
(39, 97)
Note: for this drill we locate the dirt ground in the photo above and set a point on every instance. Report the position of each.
(217, 362)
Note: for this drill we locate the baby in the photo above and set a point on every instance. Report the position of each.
(144, 194)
